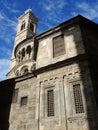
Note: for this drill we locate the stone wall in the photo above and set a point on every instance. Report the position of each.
(73, 46)
(34, 114)
(65, 117)
(24, 117)
(60, 78)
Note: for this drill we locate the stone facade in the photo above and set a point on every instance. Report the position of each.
(22, 117)
(37, 73)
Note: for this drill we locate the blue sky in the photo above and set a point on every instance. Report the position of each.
(49, 12)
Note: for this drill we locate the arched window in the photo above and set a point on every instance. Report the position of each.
(28, 50)
(23, 25)
(24, 70)
(23, 53)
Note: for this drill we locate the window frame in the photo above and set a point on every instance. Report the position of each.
(22, 102)
(50, 109)
(71, 83)
(64, 51)
(45, 89)
(78, 101)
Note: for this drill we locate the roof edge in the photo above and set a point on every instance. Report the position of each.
(67, 23)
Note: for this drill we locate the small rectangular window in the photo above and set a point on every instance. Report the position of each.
(50, 103)
(78, 98)
(15, 95)
(58, 46)
(24, 101)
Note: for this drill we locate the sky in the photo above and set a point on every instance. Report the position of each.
(49, 12)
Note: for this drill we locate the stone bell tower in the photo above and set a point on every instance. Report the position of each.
(23, 51)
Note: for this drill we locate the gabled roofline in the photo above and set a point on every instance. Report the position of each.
(68, 23)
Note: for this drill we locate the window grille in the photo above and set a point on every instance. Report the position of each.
(24, 101)
(78, 98)
(15, 95)
(58, 46)
(50, 103)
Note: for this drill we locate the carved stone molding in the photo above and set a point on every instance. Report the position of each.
(80, 121)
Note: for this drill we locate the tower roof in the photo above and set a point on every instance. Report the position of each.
(30, 12)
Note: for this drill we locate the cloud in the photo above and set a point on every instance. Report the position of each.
(52, 13)
(4, 66)
(50, 5)
(7, 28)
(6, 50)
(61, 4)
(87, 9)
(8, 25)
(11, 23)
(10, 6)
(1, 16)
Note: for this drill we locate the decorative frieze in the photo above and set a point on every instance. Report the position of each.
(80, 121)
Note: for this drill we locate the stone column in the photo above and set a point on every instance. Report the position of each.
(66, 99)
(42, 108)
(37, 110)
(26, 54)
(32, 53)
(62, 104)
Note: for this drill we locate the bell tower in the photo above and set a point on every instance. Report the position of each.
(26, 26)
(23, 50)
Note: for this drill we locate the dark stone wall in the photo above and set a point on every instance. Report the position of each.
(90, 38)
(6, 91)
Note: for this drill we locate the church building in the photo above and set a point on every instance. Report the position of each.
(53, 78)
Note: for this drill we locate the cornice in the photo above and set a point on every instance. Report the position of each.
(76, 59)
(20, 64)
(73, 21)
(24, 77)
